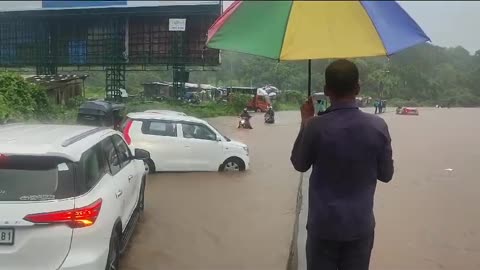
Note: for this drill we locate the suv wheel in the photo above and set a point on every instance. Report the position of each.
(114, 251)
(150, 166)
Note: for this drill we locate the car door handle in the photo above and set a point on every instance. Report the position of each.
(119, 193)
(130, 177)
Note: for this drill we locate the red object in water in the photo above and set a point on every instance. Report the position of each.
(407, 111)
(259, 103)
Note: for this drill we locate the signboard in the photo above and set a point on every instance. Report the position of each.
(80, 3)
(177, 25)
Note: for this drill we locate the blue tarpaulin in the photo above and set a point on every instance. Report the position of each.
(77, 51)
(79, 3)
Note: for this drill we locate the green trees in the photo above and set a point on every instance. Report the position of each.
(422, 75)
(21, 100)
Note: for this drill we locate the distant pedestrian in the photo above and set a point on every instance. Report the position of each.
(376, 104)
(348, 150)
(380, 106)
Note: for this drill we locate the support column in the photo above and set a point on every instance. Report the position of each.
(114, 81)
(180, 77)
(115, 72)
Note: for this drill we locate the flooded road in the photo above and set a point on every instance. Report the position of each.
(221, 221)
(428, 218)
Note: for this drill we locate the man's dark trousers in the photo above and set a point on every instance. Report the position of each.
(338, 255)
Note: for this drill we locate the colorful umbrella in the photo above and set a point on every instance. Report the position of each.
(305, 30)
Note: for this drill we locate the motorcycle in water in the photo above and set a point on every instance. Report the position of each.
(269, 119)
(244, 123)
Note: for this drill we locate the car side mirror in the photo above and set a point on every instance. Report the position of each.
(141, 154)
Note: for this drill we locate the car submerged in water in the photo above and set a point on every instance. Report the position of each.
(407, 111)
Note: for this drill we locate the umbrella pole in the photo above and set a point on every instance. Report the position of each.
(309, 77)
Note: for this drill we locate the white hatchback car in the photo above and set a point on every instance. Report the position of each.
(70, 196)
(169, 112)
(183, 143)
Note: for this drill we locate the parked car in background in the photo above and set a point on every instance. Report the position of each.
(70, 196)
(183, 143)
(101, 113)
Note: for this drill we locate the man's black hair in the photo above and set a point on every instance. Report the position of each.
(341, 77)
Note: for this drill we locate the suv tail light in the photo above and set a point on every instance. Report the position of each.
(3, 159)
(126, 131)
(74, 218)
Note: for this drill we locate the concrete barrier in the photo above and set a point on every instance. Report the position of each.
(292, 263)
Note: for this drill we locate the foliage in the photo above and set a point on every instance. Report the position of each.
(238, 101)
(233, 106)
(21, 100)
(426, 74)
(291, 97)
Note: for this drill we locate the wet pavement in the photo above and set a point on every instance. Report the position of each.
(428, 217)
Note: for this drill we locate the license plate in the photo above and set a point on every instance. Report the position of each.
(7, 236)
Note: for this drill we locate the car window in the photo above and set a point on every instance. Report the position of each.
(160, 128)
(124, 154)
(33, 178)
(198, 131)
(111, 155)
(93, 166)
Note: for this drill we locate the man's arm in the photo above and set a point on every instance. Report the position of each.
(303, 156)
(385, 160)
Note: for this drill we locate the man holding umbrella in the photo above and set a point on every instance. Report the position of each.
(348, 151)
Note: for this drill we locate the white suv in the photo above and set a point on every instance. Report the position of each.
(183, 143)
(70, 196)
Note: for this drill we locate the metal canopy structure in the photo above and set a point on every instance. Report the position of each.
(111, 38)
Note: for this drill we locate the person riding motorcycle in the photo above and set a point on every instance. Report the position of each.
(245, 116)
(270, 115)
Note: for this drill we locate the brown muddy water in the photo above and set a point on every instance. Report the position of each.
(217, 221)
(428, 218)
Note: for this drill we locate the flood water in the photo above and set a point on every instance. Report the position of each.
(428, 218)
(219, 221)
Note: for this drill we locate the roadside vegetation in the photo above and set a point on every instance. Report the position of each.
(26, 102)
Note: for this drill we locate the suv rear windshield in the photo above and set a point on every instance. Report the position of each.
(28, 178)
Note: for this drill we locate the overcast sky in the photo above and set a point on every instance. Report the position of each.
(448, 23)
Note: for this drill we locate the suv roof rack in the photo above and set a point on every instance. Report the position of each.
(81, 136)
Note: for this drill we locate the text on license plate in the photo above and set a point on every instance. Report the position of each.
(6, 236)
